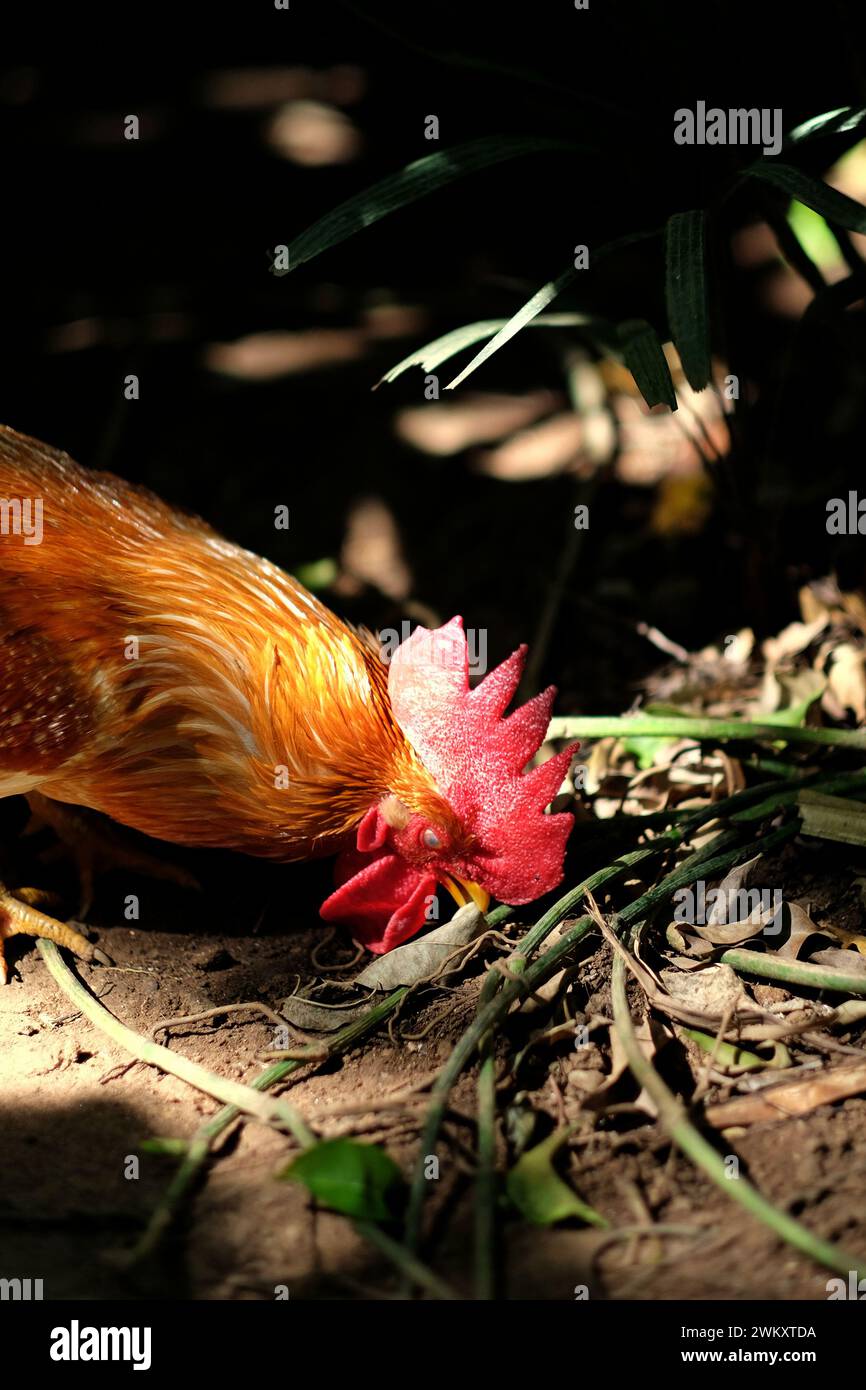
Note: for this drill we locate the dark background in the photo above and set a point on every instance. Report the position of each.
(161, 248)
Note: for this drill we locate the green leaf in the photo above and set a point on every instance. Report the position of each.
(794, 717)
(528, 316)
(838, 122)
(734, 1058)
(416, 180)
(537, 1190)
(814, 236)
(829, 202)
(686, 294)
(524, 315)
(356, 1179)
(645, 750)
(832, 818)
(318, 574)
(432, 355)
(642, 352)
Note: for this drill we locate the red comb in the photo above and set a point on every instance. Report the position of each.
(477, 758)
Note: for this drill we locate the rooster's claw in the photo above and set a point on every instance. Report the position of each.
(18, 918)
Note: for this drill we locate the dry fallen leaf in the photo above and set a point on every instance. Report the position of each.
(792, 640)
(750, 909)
(418, 959)
(651, 1035)
(840, 960)
(739, 647)
(855, 608)
(790, 1098)
(849, 938)
(847, 679)
(714, 991)
(801, 929)
(403, 966)
(314, 1017)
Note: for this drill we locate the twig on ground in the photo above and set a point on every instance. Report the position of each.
(166, 1024)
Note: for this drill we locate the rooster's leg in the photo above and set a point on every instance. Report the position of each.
(95, 843)
(19, 918)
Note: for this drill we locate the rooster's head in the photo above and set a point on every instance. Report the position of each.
(474, 820)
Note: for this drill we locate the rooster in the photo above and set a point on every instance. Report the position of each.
(178, 684)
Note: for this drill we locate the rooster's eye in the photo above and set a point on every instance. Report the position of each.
(430, 840)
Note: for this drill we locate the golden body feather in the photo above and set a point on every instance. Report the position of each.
(178, 683)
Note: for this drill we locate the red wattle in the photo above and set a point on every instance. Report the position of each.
(383, 900)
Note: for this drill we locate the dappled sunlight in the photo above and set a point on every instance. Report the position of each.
(372, 551)
(657, 444)
(385, 318)
(444, 428)
(313, 133)
(536, 438)
(549, 447)
(81, 334)
(265, 356)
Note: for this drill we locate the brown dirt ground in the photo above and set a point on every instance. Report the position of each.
(72, 1113)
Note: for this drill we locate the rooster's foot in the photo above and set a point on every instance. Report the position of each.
(19, 918)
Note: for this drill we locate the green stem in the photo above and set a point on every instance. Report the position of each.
(736, 808)
(200, 1145)
(675, 1121)
(675, 726)
(850, 784)
(493, 1011)
(244, 1098)
(797, 972)
(519, 958)
(485, 1181)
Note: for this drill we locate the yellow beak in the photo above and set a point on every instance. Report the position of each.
(463, 892)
